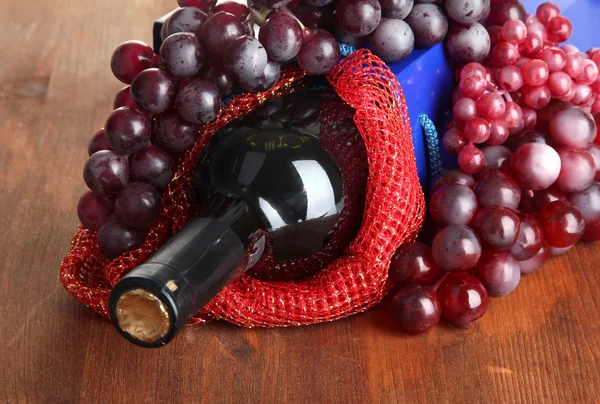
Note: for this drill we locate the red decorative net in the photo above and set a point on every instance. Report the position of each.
(357, 280)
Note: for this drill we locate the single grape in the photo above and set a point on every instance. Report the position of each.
(181, 55)
(221, 79)
(453, 204)
(510, 78)
(497, 158)
(477, 130)
(138, 205)
(153, 166)
(115, 238)
(497, 227)
(530, 240)
(106, 172)
(468, 43)
(560, 29)
(240, 10)
(497, 188)
(539, 29)
(98, 142)
(127, 130)
(204, 5)
(537, 261)
(499, 272)
(466, 11)
(535, 72)
(513, 116)
(514, 31)
(245, 59)
(562, 223)
(320, 52)
(219, 31)
(314, 17)
(529, 118)
(536, 97)
(505, 54)
(499, 133)
(470, 159)
(392, 40)
(281, 36)
(555, 58)
(536, 165)
(495, 33)
(129, 59)
(428, 23)
(471, 69)
(154, 90)
(491, 106)
(358, 17)
(416, 308)
(547, 11)
(588, 202)
(464, 109)
(472, 86)
(449, 177)
(123, 99)
(577, 170)
(173, 133)
(265, 81)
(413, 264)
(343, 37)
(572, 127)
(504, 11)
(594, 151)
(463, 299)
(573, 64)
(397, 9)
(532, 45)
(532, 201)
(185, 19)
(456, 248)
(93, 211)
(569, 48)
(560, 84)
(198, 100)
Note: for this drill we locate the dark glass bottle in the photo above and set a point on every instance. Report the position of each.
(263, 181)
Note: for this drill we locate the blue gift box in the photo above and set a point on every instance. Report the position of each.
(428, 80)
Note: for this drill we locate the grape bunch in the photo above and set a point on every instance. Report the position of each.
(525, 125)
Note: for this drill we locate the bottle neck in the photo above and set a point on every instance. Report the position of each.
(234, 212)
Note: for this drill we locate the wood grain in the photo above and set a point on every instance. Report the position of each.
(538, 345)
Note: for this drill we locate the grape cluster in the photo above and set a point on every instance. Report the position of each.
(525, 125)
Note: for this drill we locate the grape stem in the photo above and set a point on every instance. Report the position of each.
(260, 17)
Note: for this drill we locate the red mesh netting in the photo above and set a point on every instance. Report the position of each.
(394, 211)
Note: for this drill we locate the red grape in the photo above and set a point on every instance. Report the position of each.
(496, 158)
(499, 133)
(98, 142)
(173, 133)
(588, 202)
(106, 172)
(198, 100)
(185, 19)
(497, 227)
(123, 99)
(358, 17)
(221, 79)
(464, 109)
(560, 84)
(245, 58)
(504, 11)
(413, 264)
(471, 159)
(127, 130)
(281, 36)
(153, 166)
(472, 86)
(129, 59)
(562, 224)
(589, 73)
(491, 106)
(314, 17)
(577, 170)
(93, 211)
(594, 151)
(265, 81)
(138, 205)
(559, 29)
(530, 239)
(505, 53)
(320, 52)
(582, 94)
(510, 78)
(547, 11)
(497, 188)
(154, 89)
(416, 308)
(536, 97)
(428, 23)
(448, 177)
(463, 299)
(456, 248)
(535, 200)
(536, 166)
(477, 130)
(454, 141)
(529, 118)
(514, 31)
(473, 68)
(453, 204)
(535, 72)
(572, 127)
(181, 55)
(219, 31)
(115, 238)
(233, 7)
(531, 45)
(499, 272)
(555, 58)
(468, 43)
(392, 40)
(537, 261)
(398, 9)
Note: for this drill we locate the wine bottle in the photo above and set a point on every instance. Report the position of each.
(265, 175)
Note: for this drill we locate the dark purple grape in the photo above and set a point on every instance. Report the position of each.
(358, 17)
(530, 239)
(314, 17)
(127, 130)
(447, 177)
(467, 11)
(138, 205)
(320, 52)
(497, 188)
(281, 36)
(530, 136)
(115, 238)
(392, 41)
(106, 172)
(240, 10)
(198, 100)
(153, 166)
(463, 299)
(416, 308)
(245, 59)
(264, 82)
(347, 39)
(129, 59)
(497, 227)
(154, 90)
(275, 4)
(588, 202)
(181, 55)
(123, 99)
(532, 201)
(204, 5)
(98, 142)
(219, 31)
(397, 9)
(93, 211)
(453, 204)
(467, 44)
(456, 248)
(318, 3)
(428, 23)
(503, 11)
(499, 272)
(562, 223)
(173, 133)
(496, 158)
(413, 264)
(222, 80)
(185, 19)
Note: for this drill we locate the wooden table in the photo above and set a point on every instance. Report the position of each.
(540, 344)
